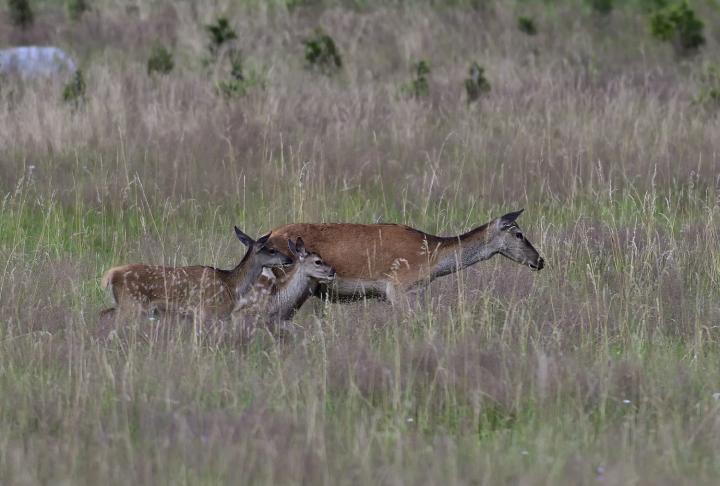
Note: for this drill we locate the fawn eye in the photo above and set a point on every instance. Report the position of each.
(518, 236)
(272, 252)
(317, 262)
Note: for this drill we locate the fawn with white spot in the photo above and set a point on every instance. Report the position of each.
(206, 292)
(289, 292)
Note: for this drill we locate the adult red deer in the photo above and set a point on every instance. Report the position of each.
(204, 291)
(382, 260)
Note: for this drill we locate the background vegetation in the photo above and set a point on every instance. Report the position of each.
(602, 367)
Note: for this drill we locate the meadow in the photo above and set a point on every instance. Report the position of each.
(602, 368)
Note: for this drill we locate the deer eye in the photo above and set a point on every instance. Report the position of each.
(518, 236)
(317, 262)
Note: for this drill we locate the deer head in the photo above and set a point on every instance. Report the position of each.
(310, 263)
(265, 255)
(507, 239)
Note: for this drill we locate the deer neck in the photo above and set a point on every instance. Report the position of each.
(244, 275)
(290, 295)
(458, 252)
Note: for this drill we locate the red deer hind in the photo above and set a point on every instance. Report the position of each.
(382, 260)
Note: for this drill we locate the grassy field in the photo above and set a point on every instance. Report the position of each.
(602, 368)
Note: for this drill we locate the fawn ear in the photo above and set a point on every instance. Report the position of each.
(509, 219)
(292, 248)
(244, 239)
(300, 247)
(262, 240)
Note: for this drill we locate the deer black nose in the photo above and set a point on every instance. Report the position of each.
(540, 263)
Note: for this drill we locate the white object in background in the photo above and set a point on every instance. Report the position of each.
(34, 61)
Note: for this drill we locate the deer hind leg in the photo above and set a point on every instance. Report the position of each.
(106, 323)
(114, 320)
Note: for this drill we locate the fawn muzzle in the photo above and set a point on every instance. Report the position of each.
(538, 265)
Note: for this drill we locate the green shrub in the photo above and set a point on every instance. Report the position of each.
(231, 88)
(239, 83)
(294, 4)
(603, 7)
(418, 87)
(74, 90)
(652, 5)
(160, 60)
(220, 33)
(236, 88)
(678, 25)
(476, 84)
(709, 94)
(526, 25)
(321, 53)
(20, 13)
(76, 8)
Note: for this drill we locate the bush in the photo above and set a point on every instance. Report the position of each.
(294, 4)
(652, 5)
(20, 13)
(235, 86)
(526, 25)
(236, 65)
(678, 24)
(710, 87)
(419, 86)
(603, 7)
(477, 84)
(74, 90)
(76, 8)
(160, 61)
(321, 53)
(239, 83)
(220, 33)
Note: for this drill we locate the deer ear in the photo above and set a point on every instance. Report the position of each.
(291, 247)
(262, 240)
(244, 239)
(509, 219)
(300, 246)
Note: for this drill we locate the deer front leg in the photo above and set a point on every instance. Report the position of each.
(318, 307)
(392, 294)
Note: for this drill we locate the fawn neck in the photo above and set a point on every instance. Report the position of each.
(458, 252)
(244, 275)
(290, 295)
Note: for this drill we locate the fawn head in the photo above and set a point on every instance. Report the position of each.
(264, 254)
(510, 242)
(310, 263)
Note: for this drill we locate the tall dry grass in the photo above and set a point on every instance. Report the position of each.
(602, 367)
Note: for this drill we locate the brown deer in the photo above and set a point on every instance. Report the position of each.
(203, 291)
(382, 260)
(289, 292)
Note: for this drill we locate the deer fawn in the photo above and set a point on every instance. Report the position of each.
(289, 292)
(207, 291)
(381, 260)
